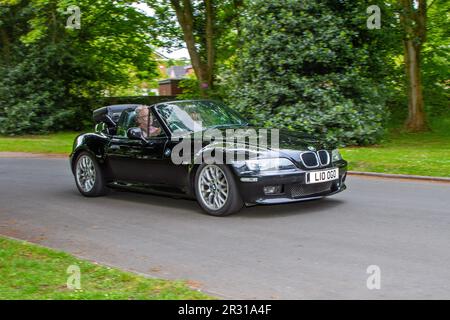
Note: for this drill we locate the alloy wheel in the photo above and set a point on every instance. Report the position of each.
(213, 187)
(85, 173)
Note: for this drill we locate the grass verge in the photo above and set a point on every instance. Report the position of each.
(426, 154)
(28, 271)
(60, 142)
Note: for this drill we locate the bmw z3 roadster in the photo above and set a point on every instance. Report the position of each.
(202, 150)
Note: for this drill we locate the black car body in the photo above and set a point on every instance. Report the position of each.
(122, 157)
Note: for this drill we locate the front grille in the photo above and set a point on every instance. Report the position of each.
(324, 157)
(310, 159)
(303, 190)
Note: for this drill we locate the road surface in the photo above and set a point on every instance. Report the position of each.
(312, 250)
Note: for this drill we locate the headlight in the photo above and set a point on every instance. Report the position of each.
(266, 164)
(336, 155)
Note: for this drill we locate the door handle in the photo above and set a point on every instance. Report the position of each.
(114, 147)
(149, 145)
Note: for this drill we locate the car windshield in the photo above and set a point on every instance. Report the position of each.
(191, 116)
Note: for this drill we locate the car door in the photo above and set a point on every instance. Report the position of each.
(122, 153)
(155, 164)
(123, 158)
(152, 165)
(139, 161)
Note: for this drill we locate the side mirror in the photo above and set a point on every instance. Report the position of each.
(135, 134)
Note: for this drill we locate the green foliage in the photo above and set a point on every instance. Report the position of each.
(191, 89)
(305, 65)
(312, 66)
(436, 60)
(34, 93)
(50, 74)
(435, 66)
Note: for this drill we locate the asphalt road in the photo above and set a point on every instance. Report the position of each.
(318, 249)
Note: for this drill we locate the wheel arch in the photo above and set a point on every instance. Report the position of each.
(91, 143)
(76, 153)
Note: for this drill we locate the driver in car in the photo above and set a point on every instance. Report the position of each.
(147, 122)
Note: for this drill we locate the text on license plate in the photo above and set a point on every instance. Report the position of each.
(322, 176)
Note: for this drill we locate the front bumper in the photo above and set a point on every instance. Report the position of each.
(293, 187)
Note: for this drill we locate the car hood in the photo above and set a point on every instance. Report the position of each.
(299, 141)
(289, 142)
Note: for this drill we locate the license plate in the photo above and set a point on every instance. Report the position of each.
(322, 176)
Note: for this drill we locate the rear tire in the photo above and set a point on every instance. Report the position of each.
(89, 177)
(216, 190)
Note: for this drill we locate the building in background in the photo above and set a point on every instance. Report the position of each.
(171, 75)
(171, 85)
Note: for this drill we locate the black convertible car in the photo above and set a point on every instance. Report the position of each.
(202, 149)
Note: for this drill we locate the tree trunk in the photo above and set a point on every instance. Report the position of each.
(5, 44)
(414, 27)
(416, 113)
(203, 69)
(186, 21)
(210, 48)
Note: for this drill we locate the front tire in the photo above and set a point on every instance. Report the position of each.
(216, 190)
(89, 177)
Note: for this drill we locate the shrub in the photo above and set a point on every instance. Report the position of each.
(307, 66)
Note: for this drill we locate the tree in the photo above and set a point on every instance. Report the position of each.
(203, 67)
(313, 66)
(205, 27)
(413, 18)
(50, 75)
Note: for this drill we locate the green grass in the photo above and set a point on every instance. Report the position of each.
(53, 143)
(425, 153)
(28, 271)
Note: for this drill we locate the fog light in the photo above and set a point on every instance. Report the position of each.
(272, 189)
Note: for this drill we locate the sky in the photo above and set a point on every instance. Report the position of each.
(178, 54)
